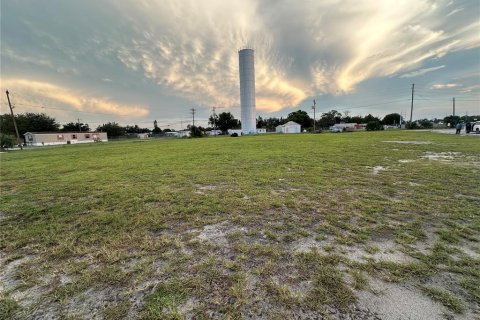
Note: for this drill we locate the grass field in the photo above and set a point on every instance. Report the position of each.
(271, 227)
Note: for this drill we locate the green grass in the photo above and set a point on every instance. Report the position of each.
(445, 297)
(8, 308)
(126, 216)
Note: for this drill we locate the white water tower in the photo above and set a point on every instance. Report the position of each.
(247, 91)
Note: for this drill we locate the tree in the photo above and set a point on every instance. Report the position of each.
(329, 118)
(225, 121)
(7, 141)
(374, 125)
(391, 119)
(425, 124)
(369, 118)
(156, 129)
(302, 118)
(28, 122)
(452, 120)
(72, 126)
(136, 129)
(112, 129)
(196, 132)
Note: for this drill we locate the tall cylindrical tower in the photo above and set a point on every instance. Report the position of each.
(247, 91)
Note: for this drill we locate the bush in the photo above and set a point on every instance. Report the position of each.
(426, 124)
(7, 141)
(412, 125)
(374, 126)
(195, 132)
(234, 134)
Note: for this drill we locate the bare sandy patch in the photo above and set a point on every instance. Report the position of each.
(409, 142)
(393, 301)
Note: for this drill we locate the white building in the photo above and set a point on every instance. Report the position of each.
(55, 138)
(142, 136)
(261, 130)
(237, 131)
(289, 127)
(214, 132)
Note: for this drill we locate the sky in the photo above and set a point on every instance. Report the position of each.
(136, 61)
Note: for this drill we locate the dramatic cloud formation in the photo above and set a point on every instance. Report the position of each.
(168, 54)
(49, 94)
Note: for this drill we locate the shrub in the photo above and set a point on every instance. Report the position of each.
(374, 126)
(7, 141)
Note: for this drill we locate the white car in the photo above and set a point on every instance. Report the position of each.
(473, 127)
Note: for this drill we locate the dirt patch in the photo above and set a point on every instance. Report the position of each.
(393, 301)
(201, 189)
(217, 233)
(406, 160)
(8, 280)
(442, 156)
(410, 142)
(377, 169)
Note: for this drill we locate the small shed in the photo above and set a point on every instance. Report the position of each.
(54, 138)
(289, 127)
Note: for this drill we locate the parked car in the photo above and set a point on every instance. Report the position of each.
(473, 127)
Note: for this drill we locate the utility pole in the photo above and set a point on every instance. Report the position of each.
(314, 107)
(454, 107)
(79, 127)
(411, 109)
(193, 116)
(14, 122)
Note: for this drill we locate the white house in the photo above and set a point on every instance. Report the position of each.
(289, 127)
(54, 138)
(237, 131)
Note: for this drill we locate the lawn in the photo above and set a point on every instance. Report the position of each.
(271, 226)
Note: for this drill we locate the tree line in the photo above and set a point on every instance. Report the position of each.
(40, 122)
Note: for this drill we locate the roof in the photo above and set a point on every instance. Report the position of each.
(289, 123)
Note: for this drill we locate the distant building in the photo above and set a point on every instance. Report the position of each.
(143, 135)
(261, 130)
(340, 127)
(184, 133)
(289, 127)
(179, 134)
(237, 131)
(214, 132)
(54, 138)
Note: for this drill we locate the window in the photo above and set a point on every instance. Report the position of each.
(74, 136)
(87, 136)
(59, 136)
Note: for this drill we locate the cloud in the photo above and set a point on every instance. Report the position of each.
(421, 72)
(445, 86)
(188, 48)
(331, 49)
(28, 93)
(454, 11)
